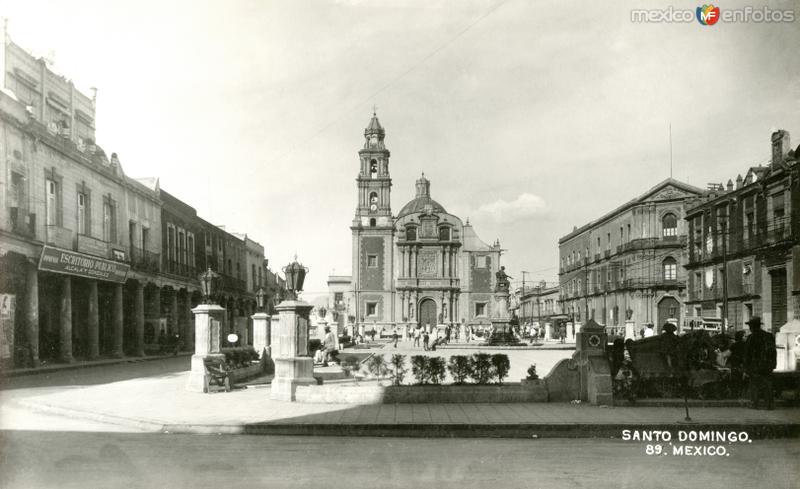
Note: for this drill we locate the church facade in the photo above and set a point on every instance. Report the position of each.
(422, 266)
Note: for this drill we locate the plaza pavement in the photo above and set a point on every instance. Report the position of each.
(160, 403)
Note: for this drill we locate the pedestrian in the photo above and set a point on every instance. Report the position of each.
(395, 336)
(760, 359)
(562, 333)
(329, 344)
(425, 338)
(417, 335)
(736, 362)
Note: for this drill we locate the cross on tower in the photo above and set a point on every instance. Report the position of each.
(374, 109)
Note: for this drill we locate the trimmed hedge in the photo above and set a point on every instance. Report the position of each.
(240, 356)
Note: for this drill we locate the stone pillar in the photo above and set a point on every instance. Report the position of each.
(174, 327)
(116, 323)
(186, 316)
(261, 334)
(548, 331)
(138, 318)
(155, 305)
(65, 331)
(208, 320)
(293, 365)
(32, 312)
(630, 329)
(93, 322)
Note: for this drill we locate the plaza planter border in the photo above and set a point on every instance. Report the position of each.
(244, 373)
(525, 391)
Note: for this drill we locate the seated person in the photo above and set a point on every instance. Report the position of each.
(319, 356)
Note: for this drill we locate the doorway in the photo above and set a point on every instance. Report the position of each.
(427, 312)
(668, 308)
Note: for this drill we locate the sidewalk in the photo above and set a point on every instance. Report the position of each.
(57, 367)
(161, 404)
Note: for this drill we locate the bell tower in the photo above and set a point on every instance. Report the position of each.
(373, 233)
(374, 181)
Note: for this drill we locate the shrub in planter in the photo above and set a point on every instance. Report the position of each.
(398, 364)
(500, 365)
(351, 365)
(532, 375)
(240, 356)
(313, 346)
(376, 365)
(460, 368)
(436, 370)
(481, 368)
(419, 368)
(344, 340)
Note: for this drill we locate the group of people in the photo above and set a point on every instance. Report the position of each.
(749, 359)
(423, 335)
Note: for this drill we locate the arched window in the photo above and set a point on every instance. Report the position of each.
(373, 169)
(411, 234)
(669, 225)
(670, 267)
(444, 234)
(372, 222)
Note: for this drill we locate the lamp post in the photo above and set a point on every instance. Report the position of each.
(261, 326)
(293, 365)
(209, 282)
(208, 324)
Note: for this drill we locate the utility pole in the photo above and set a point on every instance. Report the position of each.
(523, 272)
(724, 229)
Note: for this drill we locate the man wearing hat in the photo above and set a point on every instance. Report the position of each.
(760, 359)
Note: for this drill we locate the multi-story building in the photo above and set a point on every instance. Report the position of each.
(540, 306)
(626, 268)
(67, 256)
(744, 257)
(94, 263)
(341, 299)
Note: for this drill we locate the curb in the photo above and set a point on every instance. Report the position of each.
(138, 424)
(756, 431)
(76, 366)
(522, 430)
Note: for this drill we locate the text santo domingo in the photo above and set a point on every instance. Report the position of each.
(690, 435)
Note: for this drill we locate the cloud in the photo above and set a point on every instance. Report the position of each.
(525, 206)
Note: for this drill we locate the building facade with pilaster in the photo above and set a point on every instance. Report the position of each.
(744, 252)
(626, 267)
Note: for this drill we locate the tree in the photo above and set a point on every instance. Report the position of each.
(460, 368)
(376, 365)
(481, 368)
(436, 370)
(501, 365)
(419, 368)
(398, 363)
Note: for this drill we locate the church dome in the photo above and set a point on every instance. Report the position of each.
(422, 200)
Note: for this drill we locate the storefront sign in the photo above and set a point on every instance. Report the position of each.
(71, 263)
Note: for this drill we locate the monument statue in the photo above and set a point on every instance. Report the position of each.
(502, 280)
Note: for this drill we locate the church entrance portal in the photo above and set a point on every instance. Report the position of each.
(427, 313)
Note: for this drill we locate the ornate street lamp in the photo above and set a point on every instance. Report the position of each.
(208, 285)
(261, 298)
(295, 276)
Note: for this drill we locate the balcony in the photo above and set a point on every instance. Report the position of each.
(145, 261)
(232, 283)
(22, 223)
(92, 246)
(58, 236)
(181, 269)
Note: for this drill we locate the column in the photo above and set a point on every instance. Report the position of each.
(65, 344)
(116, 323)
(138, 318)
(93, 322)
(174, 328)
(208, 320)
(32, 313)
(293, 366)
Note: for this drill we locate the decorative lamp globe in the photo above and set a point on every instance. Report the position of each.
(261, 298)
(208, 285)
(295, 274)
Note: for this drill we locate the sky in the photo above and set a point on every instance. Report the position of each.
(528, 118)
